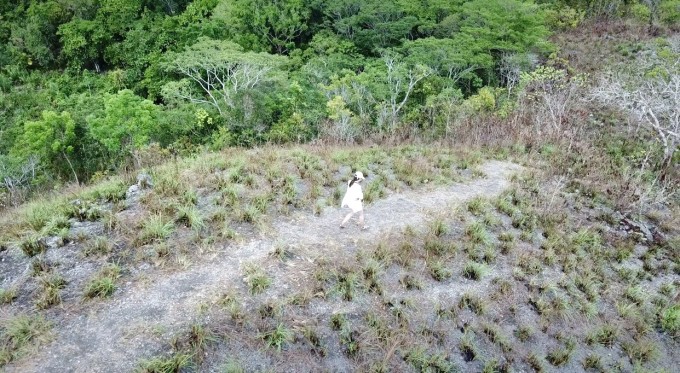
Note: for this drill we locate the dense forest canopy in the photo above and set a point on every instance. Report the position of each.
(86, 85)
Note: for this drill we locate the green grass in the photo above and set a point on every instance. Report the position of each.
(99, 245)
(155, 228)
(640, 351)
(670, 320)
(605, 335)
(172, 364)
(422, 361)
(477, 233)
(559, 356)
(7, 296)
(473, 303)
(439, 271)
(477, 206)
(474, 271)
(103, 284)
(51, 284)
(190, 216)
(21, 335)
(278, 337)
(33, 244)
(257, 280)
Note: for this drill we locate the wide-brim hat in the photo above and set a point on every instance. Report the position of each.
(359, 175)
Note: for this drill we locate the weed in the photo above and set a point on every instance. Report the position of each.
(21, 333)
(40, 265)
(467, 348)
(411, 282)
(505, 206)
(315, 341)
(635, 294)
(438, 270)
(348, 283)
(33, 244)
(379, 325)
(257, 280)
(232, 366)
(496, 336)
(524, 333)
(339, 321)
(424, 362)
(198, 339)
(190, 216)
(670, 320)
(154, 229)
(8, 295)
(438, 228)
(477, 206)
(536, 363)
(100, 245)
(559, 356)
(404, 254)
(37, 215)
(640, 351)
(51, 284)
(104, 283)
(277, 337)
(271, 309)
(504, 286)
(491, 220)
(175, 363)
(56, 224)
(249, 214)
(477, 233)
(592, 361)
(473, 303)
(348, 339)
(530, 264)
(474, 271)
(605, 335)
(493, 366)
(436, 246)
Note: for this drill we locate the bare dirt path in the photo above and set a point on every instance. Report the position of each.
(114, 335)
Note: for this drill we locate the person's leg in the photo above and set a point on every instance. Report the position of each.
(361, 219)
(349, 216)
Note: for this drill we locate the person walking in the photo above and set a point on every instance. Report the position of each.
(354, 199)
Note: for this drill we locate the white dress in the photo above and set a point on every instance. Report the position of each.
(353, 197)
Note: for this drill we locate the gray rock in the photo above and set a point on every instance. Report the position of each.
(132, 192)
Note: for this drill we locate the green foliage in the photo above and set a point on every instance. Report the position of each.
(51, 139)
(127, 122)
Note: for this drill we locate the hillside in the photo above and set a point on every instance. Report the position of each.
(171, 174)
(230, 263)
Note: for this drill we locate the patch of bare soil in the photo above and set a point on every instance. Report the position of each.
(115, 334)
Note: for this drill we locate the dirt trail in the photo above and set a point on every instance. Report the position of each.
(114, 335)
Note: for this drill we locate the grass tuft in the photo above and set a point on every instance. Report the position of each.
(104, 282)
(474, 271)
(20, 334)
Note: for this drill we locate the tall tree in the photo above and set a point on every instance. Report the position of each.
(217, 71)
(126, 124)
